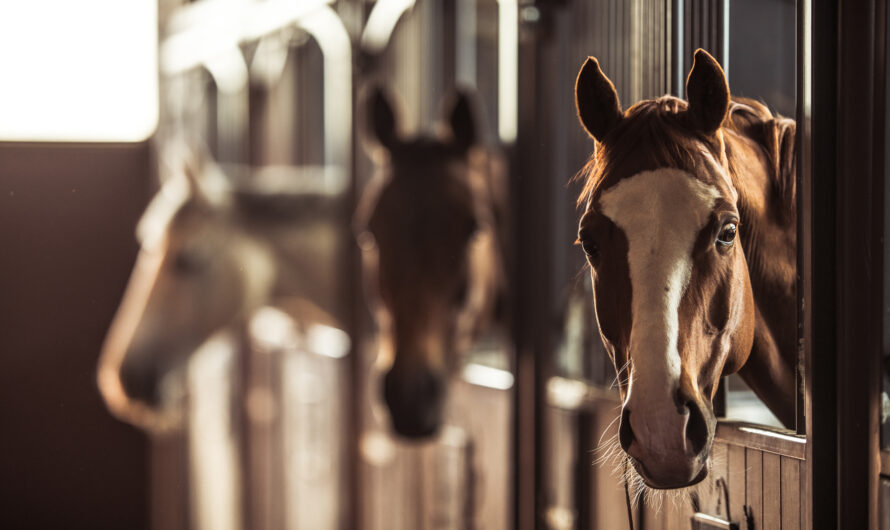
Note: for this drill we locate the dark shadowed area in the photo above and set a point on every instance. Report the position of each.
(67, 214)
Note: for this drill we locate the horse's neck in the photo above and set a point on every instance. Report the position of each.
(489, 170)
(769, 240)
(489, 179)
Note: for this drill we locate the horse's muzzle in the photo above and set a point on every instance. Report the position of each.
(140, 378)
(415, 401)
(669, 451)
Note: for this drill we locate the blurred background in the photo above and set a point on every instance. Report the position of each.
(93, 92)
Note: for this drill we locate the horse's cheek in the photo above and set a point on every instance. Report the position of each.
(606, 318)
(743, 337)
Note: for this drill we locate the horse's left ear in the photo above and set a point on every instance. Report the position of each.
(462, 120)
(707, 92)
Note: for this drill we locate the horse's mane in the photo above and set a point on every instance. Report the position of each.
(655, 125)
(658, 127)
(775, 135)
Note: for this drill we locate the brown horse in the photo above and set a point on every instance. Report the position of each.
(213, 251)
(429, 225)
(689, 228)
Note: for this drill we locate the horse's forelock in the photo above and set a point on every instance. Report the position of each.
(652, 128)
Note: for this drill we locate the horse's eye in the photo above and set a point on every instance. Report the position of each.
(590, 248)
(727, 235)
(188, 261)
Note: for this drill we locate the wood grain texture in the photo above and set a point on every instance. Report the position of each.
(607, 488)
(754, 487)
(715, 502)
(790, 493)
(779, 441)
(772, 492)
(651, 518)
(677, 512)
(736, 483)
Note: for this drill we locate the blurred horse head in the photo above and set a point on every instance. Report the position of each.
(197, 272)
(689, 229)
(211, 254)
(428, 225)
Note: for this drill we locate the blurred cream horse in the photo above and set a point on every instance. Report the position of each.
(211, 255)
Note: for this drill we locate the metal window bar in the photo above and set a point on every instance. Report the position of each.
(204, 53)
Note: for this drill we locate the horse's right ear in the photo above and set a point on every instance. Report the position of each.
(381, 118)
(462, 120)
(596, 100)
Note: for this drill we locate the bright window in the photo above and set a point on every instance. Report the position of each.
(82, 70)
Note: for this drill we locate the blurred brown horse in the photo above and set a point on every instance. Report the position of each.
(429, 225)
(690, 231)
(212, 252)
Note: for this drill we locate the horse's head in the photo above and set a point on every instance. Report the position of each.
(197, 272)
(426, 225)
(661, 232)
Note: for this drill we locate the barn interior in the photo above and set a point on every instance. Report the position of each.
(204, 323)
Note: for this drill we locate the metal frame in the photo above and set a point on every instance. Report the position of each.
(842, 185)
(860, 186)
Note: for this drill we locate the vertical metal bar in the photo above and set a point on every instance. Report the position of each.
(819, 275)
(508, 63)
(804, 98)
(725, 41)
(679, 21)
(465, 42)
(860, 117)
(328, 31)
(448, 52)
(532, 276)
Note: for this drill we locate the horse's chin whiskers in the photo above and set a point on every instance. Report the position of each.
(653, 498)
(617, 381)
(609, 426)
(610, 454)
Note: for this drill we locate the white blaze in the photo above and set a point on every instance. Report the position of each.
(661, 213)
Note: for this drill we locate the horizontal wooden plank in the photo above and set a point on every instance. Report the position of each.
(780, 442)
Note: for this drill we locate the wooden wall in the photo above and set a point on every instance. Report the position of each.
(67, 247)
(460, 479)
(756, 480)
(749, 487)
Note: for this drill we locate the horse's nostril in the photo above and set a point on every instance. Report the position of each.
(429, 387)
(414, 401)
(139, 380)
(696, 428)
(625, 432)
